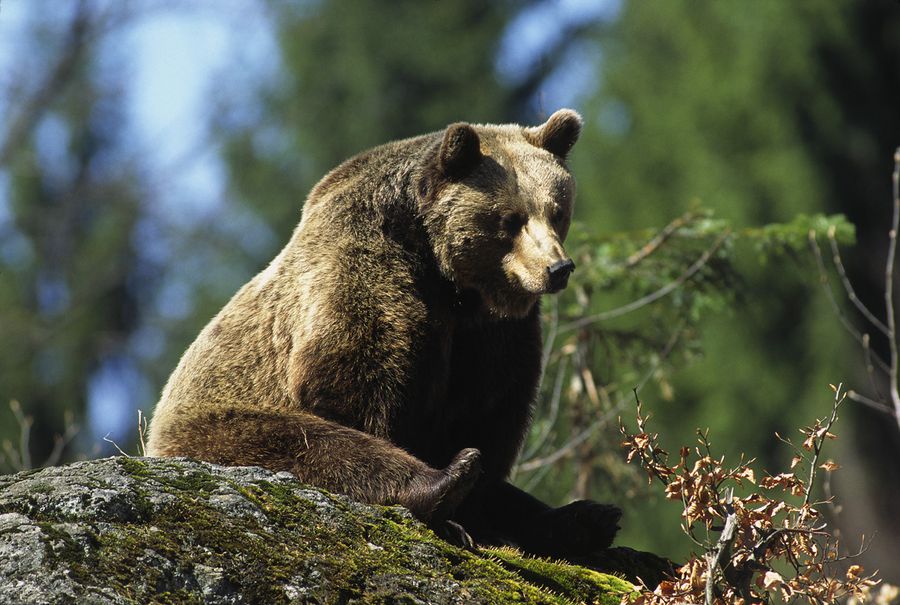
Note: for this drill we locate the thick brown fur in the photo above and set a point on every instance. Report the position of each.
(391, 351)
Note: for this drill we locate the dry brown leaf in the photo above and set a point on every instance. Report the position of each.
(772, 579)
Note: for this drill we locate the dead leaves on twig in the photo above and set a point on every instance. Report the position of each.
(770, 541)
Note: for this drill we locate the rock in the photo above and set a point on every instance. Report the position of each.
(142, 530)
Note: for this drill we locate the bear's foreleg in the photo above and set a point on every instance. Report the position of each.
(324, 454)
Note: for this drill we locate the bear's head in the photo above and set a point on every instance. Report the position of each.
(496, 202)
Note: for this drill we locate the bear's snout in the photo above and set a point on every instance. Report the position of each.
(558, 274)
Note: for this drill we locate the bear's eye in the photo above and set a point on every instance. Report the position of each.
(556, 215)
(512, 222)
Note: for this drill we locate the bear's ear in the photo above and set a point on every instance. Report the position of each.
(460, 151)
(558, 134)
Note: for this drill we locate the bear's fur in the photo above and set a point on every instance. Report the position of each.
(392, 350)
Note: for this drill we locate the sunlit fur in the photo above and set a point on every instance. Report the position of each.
(392, 348)
(508, 270)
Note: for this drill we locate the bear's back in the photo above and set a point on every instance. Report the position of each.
(243, 357)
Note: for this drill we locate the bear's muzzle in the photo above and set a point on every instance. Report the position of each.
(558, 274)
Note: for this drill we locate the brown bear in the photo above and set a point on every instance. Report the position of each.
(392, 350)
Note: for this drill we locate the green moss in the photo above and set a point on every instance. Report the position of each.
(181, 477)
(134, 467)
(340, 553)
(193, 481)
(563, 578)
(177, 597)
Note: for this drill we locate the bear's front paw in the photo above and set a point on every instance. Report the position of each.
(582, 527)
(455, 534)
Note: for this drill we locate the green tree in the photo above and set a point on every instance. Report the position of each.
(759, 112)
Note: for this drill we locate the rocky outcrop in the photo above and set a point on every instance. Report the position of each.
(143, 530)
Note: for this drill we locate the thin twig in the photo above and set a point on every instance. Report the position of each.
(889, 287)
(658, 240)
(11, 456)
(536, 478)
(653, 296)
(115, 445)
(829, 502)
(870, 369)
(872, 403)
(835, 307)
(724, 545)
(142, 432)
(818, 442)
(848, 286)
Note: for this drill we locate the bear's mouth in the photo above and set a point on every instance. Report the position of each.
(512, 299)
(510, 307)
(536, 278)
(532, 288)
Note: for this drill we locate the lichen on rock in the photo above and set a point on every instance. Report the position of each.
(145, 530)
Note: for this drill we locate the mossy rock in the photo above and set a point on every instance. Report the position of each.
(143, 530)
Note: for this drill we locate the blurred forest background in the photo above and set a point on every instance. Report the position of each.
(124, 229)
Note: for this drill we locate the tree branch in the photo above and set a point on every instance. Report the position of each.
(653, 296)
(862, 339)
(659, 239)
(726, 538)
(889, 287)
(872, 403)
(819, 441)
(848, 286)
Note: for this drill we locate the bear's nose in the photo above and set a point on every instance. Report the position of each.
(559, 274)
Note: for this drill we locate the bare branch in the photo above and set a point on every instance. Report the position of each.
(862, 339)
(551, 336)
(10, 456)
(537, 477)
(870, 369)
(659, 239)
(115, 445)
(889, 287)
(819, 441)
(142, 432)
(848, 286)
(726, 538)
(554, 411)
(872, 403)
